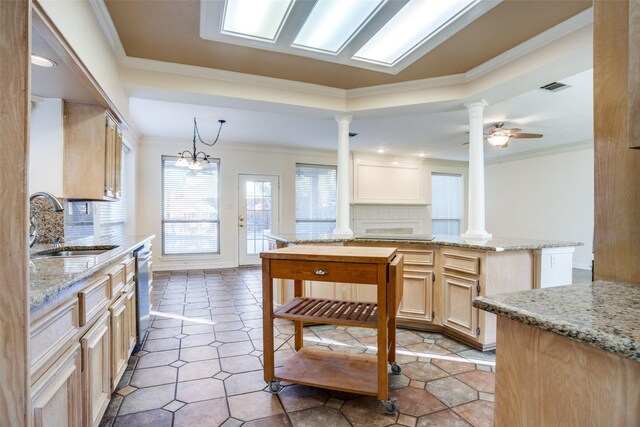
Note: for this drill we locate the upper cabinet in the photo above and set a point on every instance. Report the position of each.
(92, 153)
(76, 151)
(389, 182)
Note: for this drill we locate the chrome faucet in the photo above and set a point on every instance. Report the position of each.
(57, 207)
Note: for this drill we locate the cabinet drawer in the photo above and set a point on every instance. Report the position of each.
(417, 257)
(52, 333)
(325, 271)
(117, 275)
(461, 263)
(130, 269)
(94, 300)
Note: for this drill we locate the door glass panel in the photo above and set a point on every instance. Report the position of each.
(258, 215)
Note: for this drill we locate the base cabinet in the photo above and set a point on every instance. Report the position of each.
(130, 318)
(96, 371)
(119, 340)
(459, 313)
(417, 301)
(56, 395)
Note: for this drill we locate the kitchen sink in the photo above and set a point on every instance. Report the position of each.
(71, 251)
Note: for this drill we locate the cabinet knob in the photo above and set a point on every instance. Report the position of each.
(320, 272)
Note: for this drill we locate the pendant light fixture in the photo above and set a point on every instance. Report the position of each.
(194, 159)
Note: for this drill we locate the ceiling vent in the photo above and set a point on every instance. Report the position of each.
(554, 86)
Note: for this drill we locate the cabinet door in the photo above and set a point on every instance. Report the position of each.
(131, 319)
(417, 298)
(110, 159)
(96, 373)
(459, 313)
(119, 340)
(117, 164)
(55, 397)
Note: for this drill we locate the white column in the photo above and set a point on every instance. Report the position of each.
(476, 173)
(342, 192)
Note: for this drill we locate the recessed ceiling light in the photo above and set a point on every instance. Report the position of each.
(260, 20)
(413, 25)
(333, 23)
(380, 150)
(422, 155)
(42, 61)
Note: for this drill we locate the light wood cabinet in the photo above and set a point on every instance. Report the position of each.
(56, 395)
(96, 371)
(418, 293)
(459, 313)
(119, 340)
(92, 153)
(130, 318)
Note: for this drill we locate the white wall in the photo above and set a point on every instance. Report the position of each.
(233, 161)
(544, 195)
(45, 147)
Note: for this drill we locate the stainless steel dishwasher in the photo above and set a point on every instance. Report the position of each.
(143, 289)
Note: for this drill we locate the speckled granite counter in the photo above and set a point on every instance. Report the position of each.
(453, 241)
(602, 314)
(49, 277)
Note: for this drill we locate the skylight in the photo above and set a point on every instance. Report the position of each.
(255, 19)
(414, 24)
(333, 23)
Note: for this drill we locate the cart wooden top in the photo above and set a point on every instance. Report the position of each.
(367, 255)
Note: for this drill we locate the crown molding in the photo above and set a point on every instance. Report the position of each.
(230, 76)
(564, 28)
(548, 151)
(106, 23)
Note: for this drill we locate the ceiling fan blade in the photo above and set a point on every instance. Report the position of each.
(526, 135)
(513, 130)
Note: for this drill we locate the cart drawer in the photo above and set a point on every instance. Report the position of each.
(325, 271)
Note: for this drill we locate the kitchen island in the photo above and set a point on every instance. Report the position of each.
(568, 355)
(442, 276)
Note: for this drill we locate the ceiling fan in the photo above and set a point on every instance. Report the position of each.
(499, 136)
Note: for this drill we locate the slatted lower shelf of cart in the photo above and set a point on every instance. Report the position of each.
(335, 312)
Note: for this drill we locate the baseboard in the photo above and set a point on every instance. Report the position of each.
(191, 265)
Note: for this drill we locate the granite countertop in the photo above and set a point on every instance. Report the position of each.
(51, 276)
(497, 244)
(602, 314)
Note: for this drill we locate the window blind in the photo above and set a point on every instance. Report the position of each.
(190, 208)
(446, 203)
(315, 198)
(113, 215)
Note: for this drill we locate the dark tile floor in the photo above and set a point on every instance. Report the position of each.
(202, 366)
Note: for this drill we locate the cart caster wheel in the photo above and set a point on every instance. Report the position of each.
(391, 405)
(275, 387)
(395, 368)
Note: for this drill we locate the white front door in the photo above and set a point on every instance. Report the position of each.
(258, 214)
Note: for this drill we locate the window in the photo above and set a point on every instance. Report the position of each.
(113, 215)
(315, 199)
(446, 203)
(190, 208)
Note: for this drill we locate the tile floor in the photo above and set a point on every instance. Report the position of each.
(202, 366)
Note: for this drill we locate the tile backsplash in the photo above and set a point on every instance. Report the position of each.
(50, 223)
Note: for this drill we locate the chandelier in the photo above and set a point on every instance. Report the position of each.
(195, 159)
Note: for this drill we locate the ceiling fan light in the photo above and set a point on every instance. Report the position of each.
(499, 140)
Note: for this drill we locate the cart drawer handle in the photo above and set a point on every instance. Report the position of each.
(321, 272)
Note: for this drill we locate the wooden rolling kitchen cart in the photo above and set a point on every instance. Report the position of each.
(355, 373)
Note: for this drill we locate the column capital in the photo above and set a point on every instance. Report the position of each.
(475, 104)
(341, 118)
